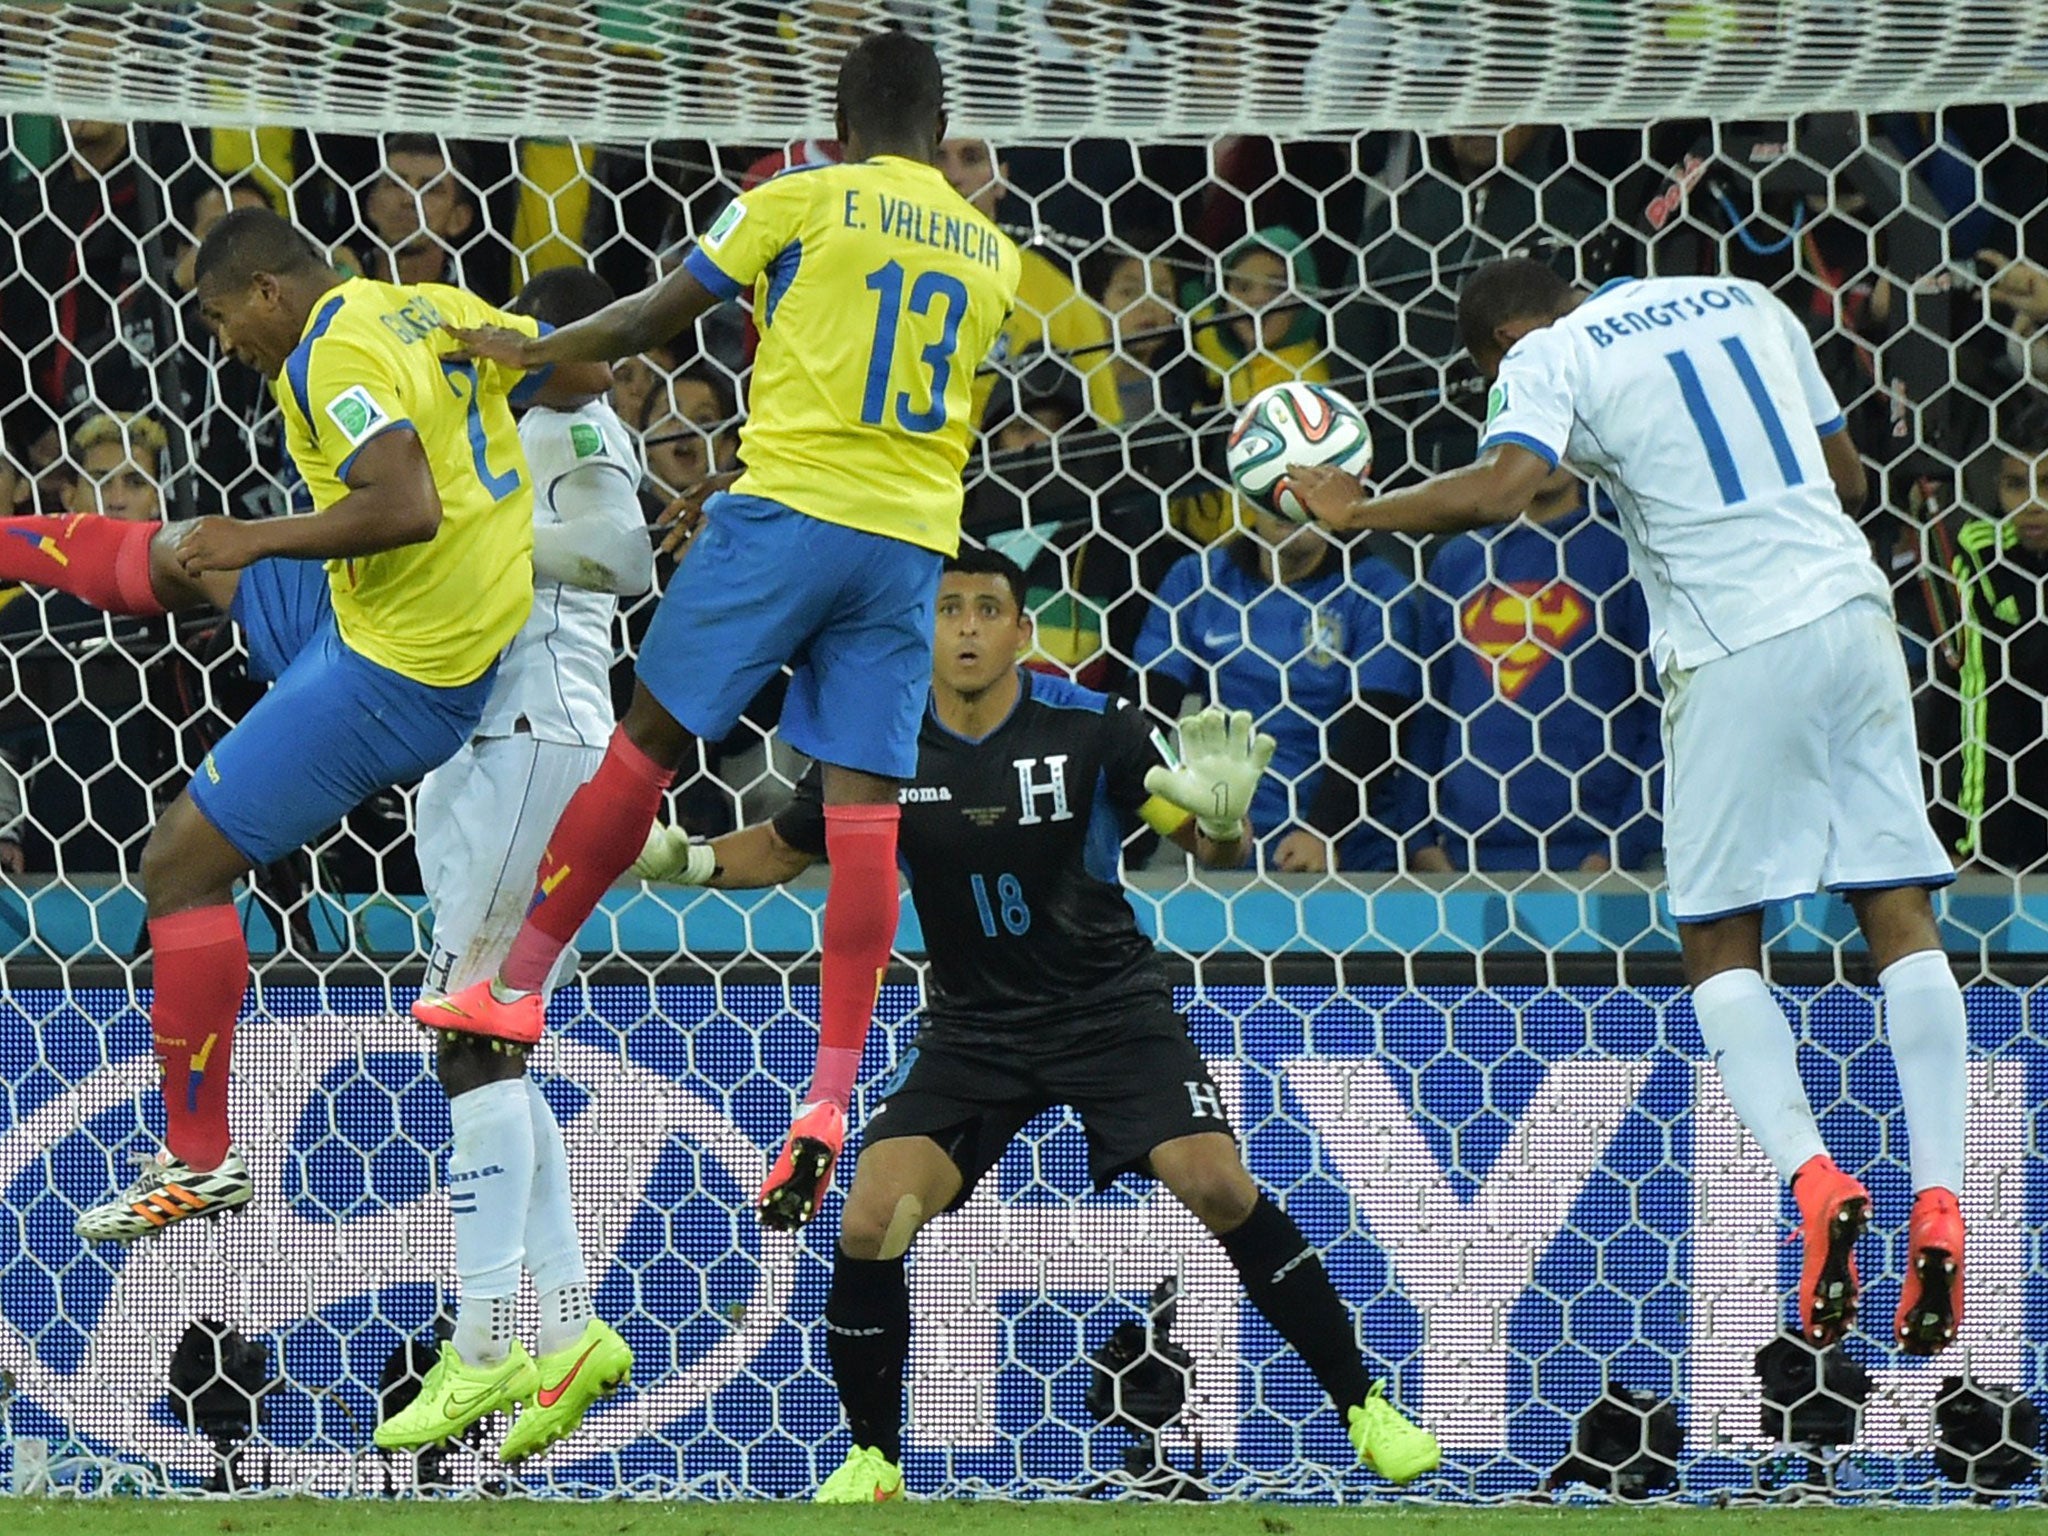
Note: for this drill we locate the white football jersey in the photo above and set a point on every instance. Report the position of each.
(555, 679)
(1697, 403)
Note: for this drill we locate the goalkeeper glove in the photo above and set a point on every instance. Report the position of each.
(668, 856)
(1216, 770)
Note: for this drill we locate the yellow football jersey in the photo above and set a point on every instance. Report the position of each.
(878, 292)
(372, 359)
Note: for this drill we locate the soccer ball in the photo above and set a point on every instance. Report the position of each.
(1294, 424)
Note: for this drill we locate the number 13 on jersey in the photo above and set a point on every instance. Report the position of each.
(897, 293)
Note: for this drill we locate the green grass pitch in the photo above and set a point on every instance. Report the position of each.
(335, 1517)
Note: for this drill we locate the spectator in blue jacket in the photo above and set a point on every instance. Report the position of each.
(1319, 643)
(1540, 738)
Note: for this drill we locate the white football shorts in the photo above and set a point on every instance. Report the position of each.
(483, 822)
(1791, 767)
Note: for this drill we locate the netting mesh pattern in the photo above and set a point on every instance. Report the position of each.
(1515, 1189)
(1530, 1196)
(635, 68)
(1472, 704)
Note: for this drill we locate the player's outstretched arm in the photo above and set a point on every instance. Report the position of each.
(601, 542)
(745, 860)
(1497, 488)
(571, 385)
(391, 502)
(623, 328)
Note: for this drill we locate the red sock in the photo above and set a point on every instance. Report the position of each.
(860, 927)
(600, 834)
(102, 560)
(202, 969)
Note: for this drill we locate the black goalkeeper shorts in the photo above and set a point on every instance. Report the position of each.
(1134, 1077)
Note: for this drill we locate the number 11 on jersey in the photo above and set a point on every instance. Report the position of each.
(1720, 457)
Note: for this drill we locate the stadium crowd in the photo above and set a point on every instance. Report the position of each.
(1484, 704)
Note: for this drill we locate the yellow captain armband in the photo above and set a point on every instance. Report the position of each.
(1163, 816)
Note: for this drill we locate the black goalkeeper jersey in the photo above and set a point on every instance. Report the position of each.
(1012, 845)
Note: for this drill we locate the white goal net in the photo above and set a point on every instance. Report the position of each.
(1443, 1009)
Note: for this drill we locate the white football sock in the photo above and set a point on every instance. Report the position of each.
(440, 969)
(485, 1328)
(490, 1181)
(1750, 1040)
(1930, 1038)
(564, 1313)
(554, 1251)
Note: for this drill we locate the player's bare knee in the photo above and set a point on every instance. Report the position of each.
(167, 579)
(656, 732)
(866, 1225)
(1896, 922)
(173, 588)
(1732, 943)
(855, 786)
(1207, 1175)
(884, 1214)
(905, 1222)
(157, 855)
(1222, 1202)
(186, 863)
(466, 1062)
(160, 855)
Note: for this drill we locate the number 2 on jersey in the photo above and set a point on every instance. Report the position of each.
(1009, 903)
(1719, 457)
(500, 486)
(930, 288)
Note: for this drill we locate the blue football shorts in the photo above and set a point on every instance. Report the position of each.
(850, 614)
(334, 728)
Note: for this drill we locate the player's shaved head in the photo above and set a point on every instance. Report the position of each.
(562, 295)
(1504, 294)
(257, 279)
(247, 241)
(892, 95)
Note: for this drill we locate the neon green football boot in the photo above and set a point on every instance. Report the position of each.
(571, 1380)
(455, 1395)
(1389, 1444)
(865, 1477)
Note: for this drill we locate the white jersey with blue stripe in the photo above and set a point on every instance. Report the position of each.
(1697, 404)
(554, 680)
